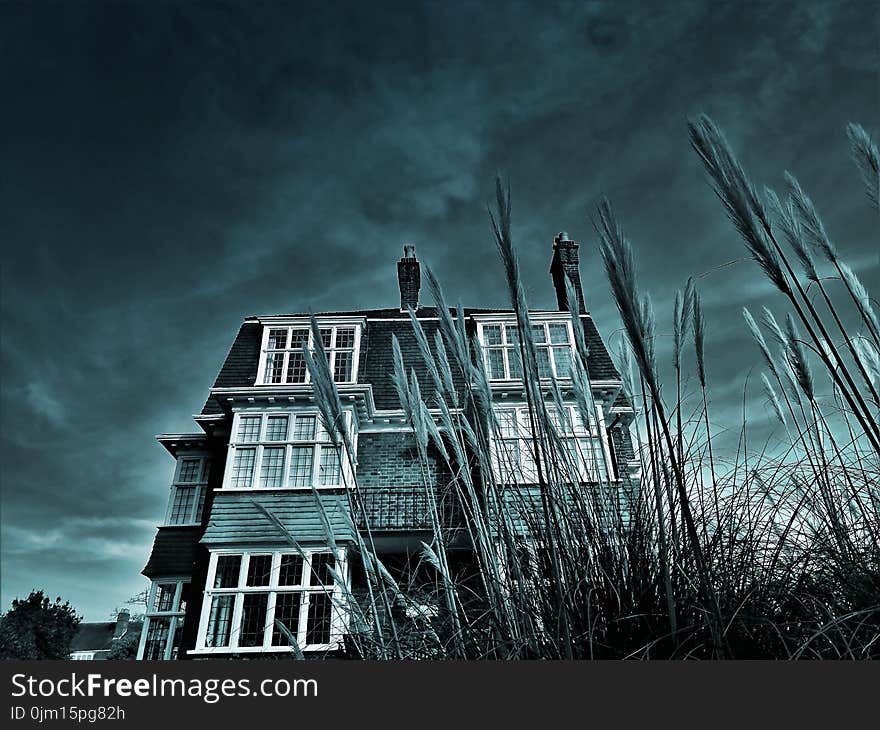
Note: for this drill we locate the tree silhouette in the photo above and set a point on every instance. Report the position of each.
(37, 628)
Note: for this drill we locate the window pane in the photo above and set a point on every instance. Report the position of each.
(200, 510)
(496, 363)
(511, 331)
(507, 423)
(182, 506)
(342, 367)
(509, 460)
(592, 458)
(277, 339)
(157, 638)
(562, 359)
(296, 368)
(515, 363)
(558, 334)
(175, 641)
(228, 569)
(189, 470)
(543, 357)
(276, 428)
(220, 621)
(344, 337)
(287, 607)
(318, 626)
(300, 466)
(326, 337)
(298, 338)
(538, 333)
(576, 458)
(253, 619)
(304, 428)
(243, 468)
(290, 573)
(248, 429)
(492, 334)
(330, 472)
(274, 367)
(320, 573)
(165, 597)
(528, 470)
(272, 467)
(259, 568)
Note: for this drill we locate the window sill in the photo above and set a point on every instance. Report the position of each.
(181, 524)
(518, 381)
(325, 488)
(301, 385)
(228, 650)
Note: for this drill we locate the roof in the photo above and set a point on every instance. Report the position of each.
(236, 518)
(376, 358)
(99, 636)
(174, 551)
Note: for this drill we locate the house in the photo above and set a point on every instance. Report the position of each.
(262, 523)
(97, 640)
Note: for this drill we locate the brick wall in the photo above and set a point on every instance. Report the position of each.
(392, 480)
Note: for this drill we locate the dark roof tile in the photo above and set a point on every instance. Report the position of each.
(174, 552)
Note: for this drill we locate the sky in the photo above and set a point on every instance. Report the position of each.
(170, 168)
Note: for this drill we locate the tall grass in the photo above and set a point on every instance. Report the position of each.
(768, 554)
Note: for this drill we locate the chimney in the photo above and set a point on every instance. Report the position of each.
(565, 264)
(409, 277)
(121, 624)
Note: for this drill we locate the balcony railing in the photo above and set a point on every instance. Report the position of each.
(402, 508)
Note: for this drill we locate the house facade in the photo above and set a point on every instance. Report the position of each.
(256, 552)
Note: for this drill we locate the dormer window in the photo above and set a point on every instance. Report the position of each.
(553, 341)
(282, 361)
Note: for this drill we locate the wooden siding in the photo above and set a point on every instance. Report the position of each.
(236, 519)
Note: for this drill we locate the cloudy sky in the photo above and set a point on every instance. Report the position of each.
(171, 168)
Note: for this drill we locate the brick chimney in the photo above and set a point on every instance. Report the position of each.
(565, 263)
(410, 278)
(121, 624)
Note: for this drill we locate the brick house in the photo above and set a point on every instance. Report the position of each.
(223, 571)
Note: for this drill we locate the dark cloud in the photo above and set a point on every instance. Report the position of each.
(172, 168)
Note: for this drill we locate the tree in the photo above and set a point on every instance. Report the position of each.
(35, 628)
(126, 647)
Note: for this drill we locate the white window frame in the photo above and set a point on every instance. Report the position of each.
(82, 656)
(512, 474)
(338, 615)
(200, 486)
(321, 442)
(507, 346)
(175, 614)
(333, 325)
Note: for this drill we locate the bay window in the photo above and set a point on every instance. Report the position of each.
(188, 491)
(250, 593)
(553, 349)
(513, 455)
(278, 450)
(160, 636)
(282, 361)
